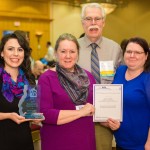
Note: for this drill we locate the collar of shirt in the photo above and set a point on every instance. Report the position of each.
(88, 42)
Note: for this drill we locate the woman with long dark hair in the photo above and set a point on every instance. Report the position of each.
(15, 73)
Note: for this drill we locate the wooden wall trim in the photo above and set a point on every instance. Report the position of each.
(25, 8)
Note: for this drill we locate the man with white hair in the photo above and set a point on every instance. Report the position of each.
(108, 53)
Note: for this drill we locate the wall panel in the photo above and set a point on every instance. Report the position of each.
(33, 16)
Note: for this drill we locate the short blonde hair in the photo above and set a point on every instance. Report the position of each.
(69, 37)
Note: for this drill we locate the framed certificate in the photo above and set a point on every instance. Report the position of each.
(108, 102)
(29, 104)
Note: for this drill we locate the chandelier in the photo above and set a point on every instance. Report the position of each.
(108, 5)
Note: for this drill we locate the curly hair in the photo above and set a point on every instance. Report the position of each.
(26, 64)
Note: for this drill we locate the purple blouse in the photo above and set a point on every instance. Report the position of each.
(76, 135)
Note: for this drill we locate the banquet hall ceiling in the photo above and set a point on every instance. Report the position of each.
(78, 2)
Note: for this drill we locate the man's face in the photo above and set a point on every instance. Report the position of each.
(93, 23)
(39, 69)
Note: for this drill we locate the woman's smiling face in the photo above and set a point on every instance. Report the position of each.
(67, 54)
(13, 54)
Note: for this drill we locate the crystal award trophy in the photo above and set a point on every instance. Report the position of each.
(29, 103)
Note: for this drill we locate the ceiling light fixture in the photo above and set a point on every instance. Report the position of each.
(108, 5)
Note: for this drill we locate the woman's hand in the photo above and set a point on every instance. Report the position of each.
(87, 110)
(16, 118)
(38, 121)
(112, 124)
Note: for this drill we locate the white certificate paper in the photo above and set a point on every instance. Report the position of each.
(108, 102)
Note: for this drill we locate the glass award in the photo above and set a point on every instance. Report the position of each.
(29, 103)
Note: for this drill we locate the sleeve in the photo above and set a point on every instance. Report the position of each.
(46, 101)
(147, 90)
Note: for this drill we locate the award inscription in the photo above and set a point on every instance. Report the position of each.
(29, 104)
(108, 102)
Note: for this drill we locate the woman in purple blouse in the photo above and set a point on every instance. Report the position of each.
(66, 101)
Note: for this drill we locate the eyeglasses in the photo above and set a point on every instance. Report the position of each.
(96, 19)
(129, 52)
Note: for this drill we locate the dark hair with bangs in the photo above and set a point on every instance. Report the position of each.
(26, 64)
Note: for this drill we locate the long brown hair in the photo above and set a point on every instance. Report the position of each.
(26, 64)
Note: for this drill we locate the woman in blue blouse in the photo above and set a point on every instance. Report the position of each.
(134, 131)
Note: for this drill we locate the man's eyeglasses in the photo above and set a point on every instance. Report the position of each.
(96, 19)
(129, 52)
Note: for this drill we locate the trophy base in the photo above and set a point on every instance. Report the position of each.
(33, 116)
